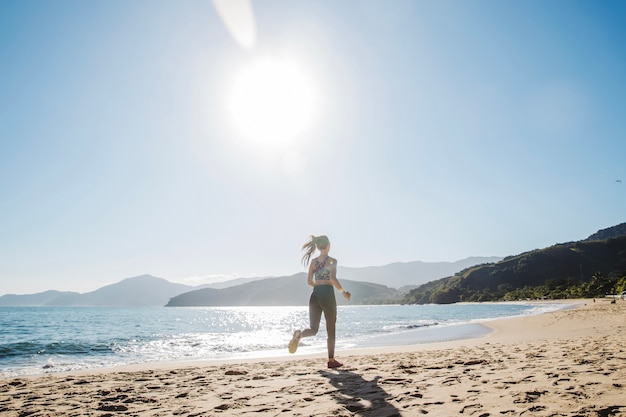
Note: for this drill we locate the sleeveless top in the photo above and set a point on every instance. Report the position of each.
(320, 272)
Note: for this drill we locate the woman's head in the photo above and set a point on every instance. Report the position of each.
(315, 242)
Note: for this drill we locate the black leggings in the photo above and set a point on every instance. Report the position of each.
(323, 300)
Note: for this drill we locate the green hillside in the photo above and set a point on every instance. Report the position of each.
(589, 268)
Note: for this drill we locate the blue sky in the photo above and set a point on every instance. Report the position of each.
(441, 130)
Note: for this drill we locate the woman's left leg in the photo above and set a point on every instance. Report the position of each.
(329, 307)
(331, 320)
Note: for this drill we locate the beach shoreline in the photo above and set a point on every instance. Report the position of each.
(569, 362)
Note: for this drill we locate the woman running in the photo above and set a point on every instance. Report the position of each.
(323, 278)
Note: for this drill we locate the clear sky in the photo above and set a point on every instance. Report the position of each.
(413, 130)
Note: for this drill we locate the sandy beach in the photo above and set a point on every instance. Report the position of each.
(565, 363)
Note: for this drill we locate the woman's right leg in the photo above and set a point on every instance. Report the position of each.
(315, 316)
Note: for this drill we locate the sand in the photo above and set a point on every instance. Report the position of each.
(565, 363)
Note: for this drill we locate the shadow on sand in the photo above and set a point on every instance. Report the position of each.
(359, 396)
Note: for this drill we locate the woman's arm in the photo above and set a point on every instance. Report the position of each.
(335, 282)
(309, 279)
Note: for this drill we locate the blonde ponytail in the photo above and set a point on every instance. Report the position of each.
(314, 242)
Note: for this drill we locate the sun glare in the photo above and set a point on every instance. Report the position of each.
(272, 102)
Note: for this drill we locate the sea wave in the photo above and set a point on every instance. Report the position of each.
(21, 349)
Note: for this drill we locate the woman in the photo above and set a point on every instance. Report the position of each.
(323, 278)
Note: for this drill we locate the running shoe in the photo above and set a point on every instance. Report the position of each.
(295, 341)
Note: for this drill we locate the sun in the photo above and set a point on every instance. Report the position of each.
(272, 102)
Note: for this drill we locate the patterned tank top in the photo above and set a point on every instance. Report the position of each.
(320, 271)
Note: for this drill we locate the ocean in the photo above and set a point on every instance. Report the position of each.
(39, 340)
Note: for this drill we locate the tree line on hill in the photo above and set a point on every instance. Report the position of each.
(584, 269)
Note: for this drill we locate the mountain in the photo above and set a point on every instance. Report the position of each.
(588, 268)
(282, 291)
(144, 290)
(572, 269)
(34, 300)
(232, 282)
(147, 290)
(406, 275)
